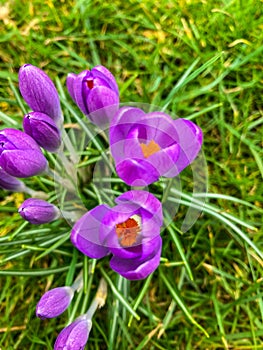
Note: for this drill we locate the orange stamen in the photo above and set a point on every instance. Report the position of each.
(149, 149)
(127, 232)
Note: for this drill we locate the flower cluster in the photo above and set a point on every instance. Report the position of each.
(144, 147)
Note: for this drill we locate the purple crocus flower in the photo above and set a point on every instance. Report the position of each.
(130, 231)
(147, 146)
(94, 92)
(74, 336)
(20, 155)
(8, 182)
(38, 211)
(39, 92)
(54, 302)
(43, 130)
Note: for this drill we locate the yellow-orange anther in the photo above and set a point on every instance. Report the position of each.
(127, 232)
(149, 149)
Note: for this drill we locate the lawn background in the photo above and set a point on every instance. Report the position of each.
(199, 59)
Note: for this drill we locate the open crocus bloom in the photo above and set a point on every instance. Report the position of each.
(147, 146)
(94, 92)
(130, 231)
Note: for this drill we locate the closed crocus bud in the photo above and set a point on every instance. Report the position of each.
(74, 336)
(43, 130)
(39, 92)
(38, 211)
(20, 155)
(8, 182)
(54, 302)
(94, 92)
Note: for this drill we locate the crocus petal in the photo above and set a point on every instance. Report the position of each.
(101, 117)
(23, 163)
(8, 182)
(38, 211)
(75, 336)
(160, 128)
(121, 125)
(190, 140)
(132, 148)
(144, 200)
(43, 130)
(54, 302)
(137, 172)
(17, 139)
(70, 84)
(134, 269)
(80, 97)
(85, 233)
(104, 73)
(101, 98)
(39, 92)
(165, 160)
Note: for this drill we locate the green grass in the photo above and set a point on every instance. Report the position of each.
(196, 59)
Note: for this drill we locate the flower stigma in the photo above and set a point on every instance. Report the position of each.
(149, 149)
(90, 83)
(128, 231)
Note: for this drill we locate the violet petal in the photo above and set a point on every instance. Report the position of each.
(71, 77)
(74, 336)
(38, 211)
(23, 163)
(133, 269)
(39, 92)
(80, 95)
(104, 73)
(8, 182)
(137, 172)
(85, 233)
(54, 302)
(43, 130)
